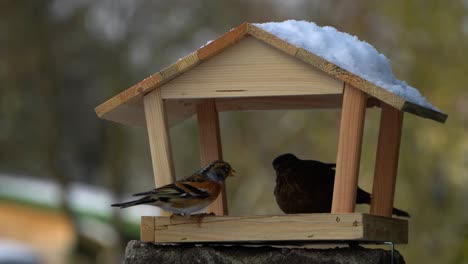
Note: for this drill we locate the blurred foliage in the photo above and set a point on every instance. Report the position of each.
(59, 59)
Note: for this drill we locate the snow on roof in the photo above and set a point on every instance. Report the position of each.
(347, 52)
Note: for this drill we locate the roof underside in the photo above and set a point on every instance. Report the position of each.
(127, 107)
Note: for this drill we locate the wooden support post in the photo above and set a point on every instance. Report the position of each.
(158, 133)
(386, 163)
(210, 146)
(349, 150)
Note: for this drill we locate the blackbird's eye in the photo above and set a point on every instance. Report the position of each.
(226, 168)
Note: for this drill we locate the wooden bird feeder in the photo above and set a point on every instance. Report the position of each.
(251, 69)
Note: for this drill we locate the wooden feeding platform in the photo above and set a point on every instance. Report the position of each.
(251, 69)
(274, 229)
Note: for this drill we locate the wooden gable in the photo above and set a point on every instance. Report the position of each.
(251, 68)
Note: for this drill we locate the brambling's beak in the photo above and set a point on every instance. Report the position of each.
(232, 173)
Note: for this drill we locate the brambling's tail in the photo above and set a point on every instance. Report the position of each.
(144, 200)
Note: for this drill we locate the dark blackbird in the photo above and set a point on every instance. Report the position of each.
(306, 186)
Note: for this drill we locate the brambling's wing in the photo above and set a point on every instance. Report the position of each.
(195, 177)
(201, 189)
(167, 189)
(184, 189)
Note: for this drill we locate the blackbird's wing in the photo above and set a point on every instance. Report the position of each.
(326, 171)
(316, 173)
(308, 188)
(363, 197)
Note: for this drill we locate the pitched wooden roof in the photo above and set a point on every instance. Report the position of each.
(126, 107)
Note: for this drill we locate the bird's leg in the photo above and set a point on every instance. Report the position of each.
(201, 216)
(173, 215)
(170, 218)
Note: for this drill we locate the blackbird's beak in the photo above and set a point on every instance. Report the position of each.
(232, 173)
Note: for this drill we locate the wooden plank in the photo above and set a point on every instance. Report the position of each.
(251, 68)
(116, 108)
(280, 228)
(181, 66)
(325, 101)
(386, 163)
(120, 107)
(131, 113)
(159, 140)
(393, 229)
(147, 229)
(181, 109)
(272, 40)
(188, 62)
(210, 147)
(349, 150)
(279, 102)
(221, 43)
(424, 112)
(178, 110)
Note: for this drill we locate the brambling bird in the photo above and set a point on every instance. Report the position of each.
(306, 186)
(193, 193)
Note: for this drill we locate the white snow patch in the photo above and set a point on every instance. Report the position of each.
(347, 52)
(84, 198)
(15, 252)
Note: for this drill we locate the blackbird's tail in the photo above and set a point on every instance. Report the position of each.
(364, 197)
(144, 200)
(399, 212)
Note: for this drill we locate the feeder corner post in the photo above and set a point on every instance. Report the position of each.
(349, 149)
(210, 147)
(386, 162)
(159, 139)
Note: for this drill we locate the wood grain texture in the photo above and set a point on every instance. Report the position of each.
(178, 110)
(121, 108)
(281, 228)
(349, 150)
(424, 112)
(378, 227)
(210, 147)
(272, 40)
(147, 229)
(279, 102)
(131, 113)
(386, 163)
(159, 140)
(251, 68)
(221, 43)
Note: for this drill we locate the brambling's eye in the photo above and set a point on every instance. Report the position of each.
(226, 168)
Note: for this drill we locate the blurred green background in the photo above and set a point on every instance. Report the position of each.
(61, 166)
